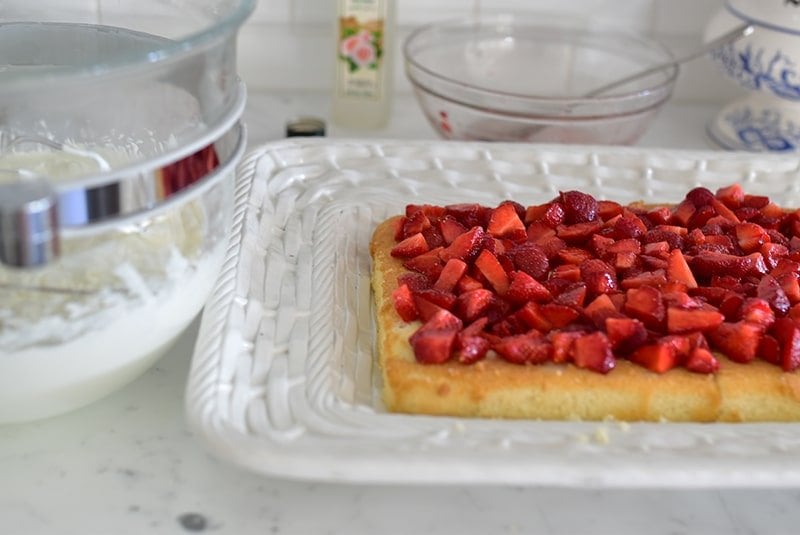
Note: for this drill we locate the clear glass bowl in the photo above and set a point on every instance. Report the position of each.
(513, 79)
(148, 90)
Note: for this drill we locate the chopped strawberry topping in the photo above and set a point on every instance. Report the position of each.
(582, 282)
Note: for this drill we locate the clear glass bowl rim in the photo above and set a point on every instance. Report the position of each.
(529, 22)
(169, 50)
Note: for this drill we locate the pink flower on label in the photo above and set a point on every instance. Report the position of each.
(349, 45)
(366, 35)
(364, 54)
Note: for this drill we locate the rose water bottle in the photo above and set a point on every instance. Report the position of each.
(364, 33)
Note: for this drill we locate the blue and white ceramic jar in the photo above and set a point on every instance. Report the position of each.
(767, 63)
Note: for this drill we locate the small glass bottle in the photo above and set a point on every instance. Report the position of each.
(364, 48)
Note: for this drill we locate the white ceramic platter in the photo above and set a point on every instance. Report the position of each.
(283, 380)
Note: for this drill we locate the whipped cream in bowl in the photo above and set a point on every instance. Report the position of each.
(118, 295)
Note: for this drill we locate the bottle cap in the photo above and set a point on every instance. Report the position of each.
(305, 127)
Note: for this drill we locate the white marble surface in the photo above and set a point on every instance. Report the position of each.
(128, 464)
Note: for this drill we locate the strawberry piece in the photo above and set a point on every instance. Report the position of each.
(770, 350)
(758, 311)
(451, 229)
(677, 297)
(593, 352)
(701, 217)
(471, 349)
(538, 231)
(731, 306)
(600, 278)
(601, 309)
(772, 210)
(429, 264)
(450, 275)
(433, 342)
(425, 308)
(608, 209)
(494, 272)
(535, 213)
(655, 278)
(531, 314)
(553, 214)
(645, 304)
(785, 330)
(659, 249)
(555, 285)
(684, 212)
(676, 287)
(414, 281)
(750, 236)
(702, 361)
(681, 321)
(573, 295)
(415, 223)
(467, 283)
(755, 201)
(469, 215)
(680, 343)
(524, 288)
(600, 244)
(530, 259)
(659, 357)
(439, 298)
(652, 263)
(562, 345)
(578, 207)
(427, 209)
(404, 303)
(524, 348)
(738, 341)
(785, 265)
(791, 287)
(661, 216)
(707, 264)
(711, 295)
(472, 304)
(770, 290)
(433, 237)
(678, 269)
(623, 261)
(625, 246)
(673, 229)
(578, 233)
(573, 255)
(724, 211)
(559, 316)
(732, 196)
(568, 272)
(432, 346)
(625, 334)
(410, 247)
(773, 253)
(551, 246)
(700, 196)
(466, 246)
(505, 223)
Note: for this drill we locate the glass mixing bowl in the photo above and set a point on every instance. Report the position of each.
(516, 79)
(119, 137)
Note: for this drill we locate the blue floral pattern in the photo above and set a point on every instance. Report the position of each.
(756, 68)
(765, 130)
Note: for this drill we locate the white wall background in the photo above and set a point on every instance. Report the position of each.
(287, 45)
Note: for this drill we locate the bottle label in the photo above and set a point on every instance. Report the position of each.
(360, 54)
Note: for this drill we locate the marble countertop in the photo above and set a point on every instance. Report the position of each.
(129, 464)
